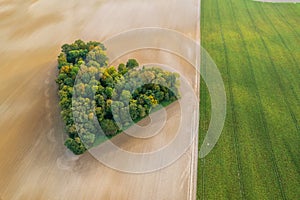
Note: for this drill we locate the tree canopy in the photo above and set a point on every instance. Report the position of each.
(91, 91)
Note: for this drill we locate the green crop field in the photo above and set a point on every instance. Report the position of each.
(256, 47)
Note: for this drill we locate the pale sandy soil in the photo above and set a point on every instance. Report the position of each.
(34, 164)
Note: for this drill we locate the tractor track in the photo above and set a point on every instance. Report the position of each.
(232, 106)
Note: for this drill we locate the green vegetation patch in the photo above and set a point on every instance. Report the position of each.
(99, 101)
(256, 47)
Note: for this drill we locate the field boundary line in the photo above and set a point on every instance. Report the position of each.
(205, 128)
(201, 162)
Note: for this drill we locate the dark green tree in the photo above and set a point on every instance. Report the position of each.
(122, 69)
(132, 63)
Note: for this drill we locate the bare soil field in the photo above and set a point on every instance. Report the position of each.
(34, 163)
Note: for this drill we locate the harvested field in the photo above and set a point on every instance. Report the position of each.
(34, 163)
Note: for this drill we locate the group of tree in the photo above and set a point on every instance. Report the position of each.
(98, 100)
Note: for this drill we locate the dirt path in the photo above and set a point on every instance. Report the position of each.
(34, 164)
